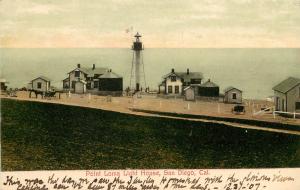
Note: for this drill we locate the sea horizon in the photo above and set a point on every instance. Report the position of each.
(253, 70)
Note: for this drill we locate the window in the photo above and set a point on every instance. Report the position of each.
(39, 85)
(66, 85)
(177, 89)
(234, 96)
(73, 84)
(173, 78)
(77, 73)
(169, 89)
(297, 105)
(195, 81)
(96, 84)
(282, 104)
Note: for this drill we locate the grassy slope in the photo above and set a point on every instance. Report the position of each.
(39, 136)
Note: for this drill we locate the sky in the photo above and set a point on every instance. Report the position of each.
(162, 23)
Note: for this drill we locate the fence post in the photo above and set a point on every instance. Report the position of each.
(219, 108)
(294, 115)
(188, 106)
(274, 114)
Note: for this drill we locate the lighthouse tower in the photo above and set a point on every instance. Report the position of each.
(137, 69)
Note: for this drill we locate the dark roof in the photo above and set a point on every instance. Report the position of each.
(110, 74)
(231, 88)
(91, 72)
(287, 85)
(186, 76)
(43, 78)
(209, 84)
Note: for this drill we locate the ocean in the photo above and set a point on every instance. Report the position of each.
(254, 71)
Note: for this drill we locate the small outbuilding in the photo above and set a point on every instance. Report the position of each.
(3, 83)
(189, 93)
(80, 87)
(41, 84)
(287, 95)
(232, 95)
(110, 83)
(208, 89)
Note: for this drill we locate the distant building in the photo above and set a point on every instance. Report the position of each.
(40, 84)
(287, 95)
(82, 80)
(111, 83)
(3, 83)
(189, 93)
(232, 95)
(175, 82)
(208, 89)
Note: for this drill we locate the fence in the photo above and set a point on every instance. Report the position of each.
(288, 113)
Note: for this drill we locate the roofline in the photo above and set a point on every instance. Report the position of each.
(167, 75)
(287, 90)
(232, 89)
(293, 87)
(75, 69)
(40, 78)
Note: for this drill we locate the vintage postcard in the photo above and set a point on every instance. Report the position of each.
(140, 94)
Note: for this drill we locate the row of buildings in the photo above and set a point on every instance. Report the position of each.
(103, 81)
(286, 93)
(190, 85)
(80, 80)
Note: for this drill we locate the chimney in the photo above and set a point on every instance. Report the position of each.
(110, 70)
(188, 71)
(208, 80)
(78, 65)
(173, 70)
(94, 66)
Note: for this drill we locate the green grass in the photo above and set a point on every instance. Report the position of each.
(40, 136)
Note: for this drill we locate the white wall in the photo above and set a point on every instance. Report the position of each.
(278, 98)
(44, 87)
(293, 96)
(229, 95)
(173, 84)
(73, 78)
(80, 87)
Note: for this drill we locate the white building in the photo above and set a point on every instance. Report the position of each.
(233, 95)
(40, 84)
(174, 82)
(287, 95)
(88, 75)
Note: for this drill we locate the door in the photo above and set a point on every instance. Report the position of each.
(277, 104)
(282, 105)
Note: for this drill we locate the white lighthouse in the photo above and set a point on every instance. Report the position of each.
(137, 69)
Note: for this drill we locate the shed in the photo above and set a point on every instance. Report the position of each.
(189, 93)
(111, 82)
(287, 95)
(41, 84)
(232, 95)
(3, 83)
(80, 87)
(208, 89)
